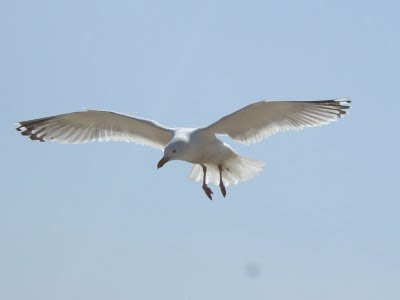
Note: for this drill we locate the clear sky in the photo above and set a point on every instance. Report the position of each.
(99, 221)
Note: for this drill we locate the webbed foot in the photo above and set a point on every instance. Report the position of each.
(223, 189)
(208, 191)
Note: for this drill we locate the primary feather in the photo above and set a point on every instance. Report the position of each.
(260, 120)
(95, 125)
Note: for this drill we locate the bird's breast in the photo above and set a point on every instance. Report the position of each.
(205, 149)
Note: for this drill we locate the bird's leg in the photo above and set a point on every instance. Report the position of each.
(206, 189)
(221, 183)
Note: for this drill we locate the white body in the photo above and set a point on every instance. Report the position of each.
(214, 152)
(198, 146)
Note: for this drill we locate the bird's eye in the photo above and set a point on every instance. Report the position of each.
(174, 151)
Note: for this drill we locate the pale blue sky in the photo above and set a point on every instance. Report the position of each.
(99, 221)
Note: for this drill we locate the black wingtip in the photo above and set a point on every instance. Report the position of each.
(30, 128)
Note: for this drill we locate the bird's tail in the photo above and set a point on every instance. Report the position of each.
(236, 169)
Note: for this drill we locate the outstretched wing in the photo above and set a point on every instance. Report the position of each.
(94, 125)
(260, 120)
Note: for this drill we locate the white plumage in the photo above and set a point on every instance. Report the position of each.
(214, 161)
(94, 125)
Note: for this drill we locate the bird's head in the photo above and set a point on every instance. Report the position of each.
(175, 150)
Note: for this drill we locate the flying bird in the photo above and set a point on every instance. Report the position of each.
(214, 161)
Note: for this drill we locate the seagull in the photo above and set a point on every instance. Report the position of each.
(214, 161)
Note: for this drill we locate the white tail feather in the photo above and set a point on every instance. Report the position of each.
(237, 169)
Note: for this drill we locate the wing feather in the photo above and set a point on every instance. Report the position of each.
(260, 120)
(95, 125)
